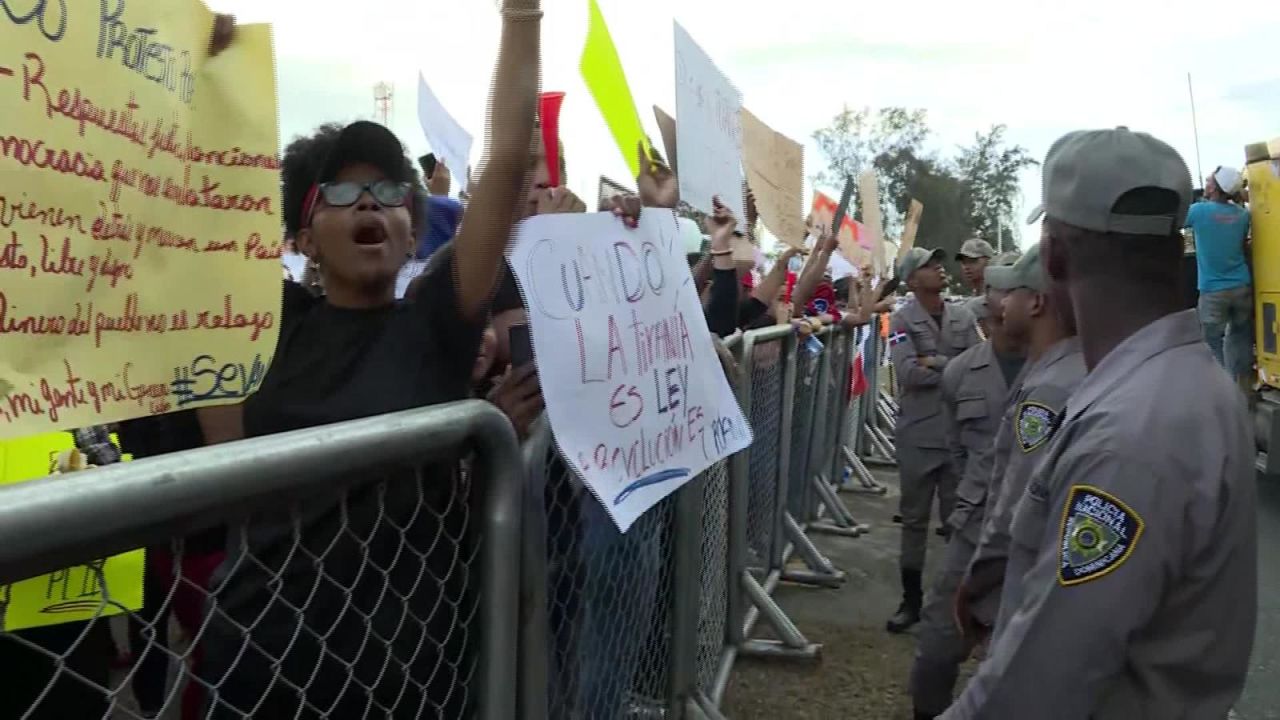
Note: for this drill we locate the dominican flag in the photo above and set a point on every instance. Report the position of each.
(858, 378)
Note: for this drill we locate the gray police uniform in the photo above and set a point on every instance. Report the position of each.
(1131, 590)
(1034, 409)
(974, 393)
(924, 462)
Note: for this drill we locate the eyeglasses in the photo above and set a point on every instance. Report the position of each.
(387, 193)
(345, 194)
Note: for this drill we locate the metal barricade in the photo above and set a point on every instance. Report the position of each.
(369, 572)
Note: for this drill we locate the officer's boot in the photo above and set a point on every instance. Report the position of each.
(912, 598)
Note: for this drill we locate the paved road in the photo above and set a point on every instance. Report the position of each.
(1261, 699)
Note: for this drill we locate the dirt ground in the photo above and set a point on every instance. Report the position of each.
(862, 670)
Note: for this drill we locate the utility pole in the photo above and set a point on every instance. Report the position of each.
(383, 94)
(1195, 129)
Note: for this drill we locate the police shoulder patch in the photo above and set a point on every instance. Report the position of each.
(896, 338)
(1099, 532)
(1035, 424)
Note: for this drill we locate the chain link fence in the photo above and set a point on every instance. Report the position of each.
(366, 573)
(418, 565)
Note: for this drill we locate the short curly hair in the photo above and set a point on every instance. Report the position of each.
(301, 165)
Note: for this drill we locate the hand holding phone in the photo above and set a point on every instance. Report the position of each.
(521, 344)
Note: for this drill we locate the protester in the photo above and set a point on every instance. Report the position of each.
(1221, 228)
(297, 644)
(1131, 586)
(1044, 324)
(177, 578)
(975, 385)
(925, 335)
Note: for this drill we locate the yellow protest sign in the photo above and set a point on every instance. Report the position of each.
(602, 70)
(103, 587)
(140, 224)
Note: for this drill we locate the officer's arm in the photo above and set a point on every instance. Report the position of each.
(902, 350)
(1090, 589)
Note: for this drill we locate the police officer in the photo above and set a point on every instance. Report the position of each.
(975, 386)
(923, 336)
(1032, 318)
(974, 257)
(1131, 588)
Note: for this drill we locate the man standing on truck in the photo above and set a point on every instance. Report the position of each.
(1221, 230)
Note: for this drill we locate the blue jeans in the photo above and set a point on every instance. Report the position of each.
(1227, 319)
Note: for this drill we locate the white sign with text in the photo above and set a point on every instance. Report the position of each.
(708, 130)
(636, 396)
(449, 141)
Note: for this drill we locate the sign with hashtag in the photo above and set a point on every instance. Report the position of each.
(139, 213)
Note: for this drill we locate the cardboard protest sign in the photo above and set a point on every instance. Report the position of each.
(667, 127)
(139, 213)
(104, 586)
(774, 164)
(852, 243)
(910, 228)
(635, 392)
(602, 71)
(449, 140)
(709, 133)
(869, 199)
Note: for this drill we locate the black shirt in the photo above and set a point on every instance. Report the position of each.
(388, 595)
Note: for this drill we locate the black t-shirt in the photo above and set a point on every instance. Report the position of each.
(389, 595)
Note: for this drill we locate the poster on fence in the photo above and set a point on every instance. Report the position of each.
(634, 389)
(140, 226)
(708, 130)
(102, 586)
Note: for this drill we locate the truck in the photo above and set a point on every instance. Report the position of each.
(1263, 171)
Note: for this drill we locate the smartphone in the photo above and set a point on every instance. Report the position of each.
(521, 345)
(428, 163)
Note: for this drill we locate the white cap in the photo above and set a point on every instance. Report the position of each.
(1228, 179)
(691, 235)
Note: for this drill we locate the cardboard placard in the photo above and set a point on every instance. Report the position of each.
(774, 166)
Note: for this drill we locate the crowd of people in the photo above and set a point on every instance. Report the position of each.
(1092, 461)
(395, 297)
(1101, 547)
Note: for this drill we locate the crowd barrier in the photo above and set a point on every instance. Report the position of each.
(504, 591)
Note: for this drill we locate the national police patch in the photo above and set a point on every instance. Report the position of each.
(896, 338)
(1099, 532)
(1035, 424)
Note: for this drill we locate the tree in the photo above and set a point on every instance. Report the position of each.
(972, 195)
(889, 140)
(990, 169)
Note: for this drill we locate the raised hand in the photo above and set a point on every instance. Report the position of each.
(658, 185)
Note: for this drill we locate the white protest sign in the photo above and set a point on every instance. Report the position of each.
(708, 130)
(635, 392)
(448, 140)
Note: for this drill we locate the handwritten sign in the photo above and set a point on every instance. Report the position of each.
(775, 173)
(853, 244)
(709, 133)
(448, 139)
(910, 228)
(106, 586)
(667, 128)
(636, 396)
(139, 211)
(869, 197)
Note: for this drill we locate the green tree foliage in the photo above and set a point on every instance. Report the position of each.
(971, 195)
(990, 169)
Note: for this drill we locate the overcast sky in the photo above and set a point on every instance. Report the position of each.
(1042, 71)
